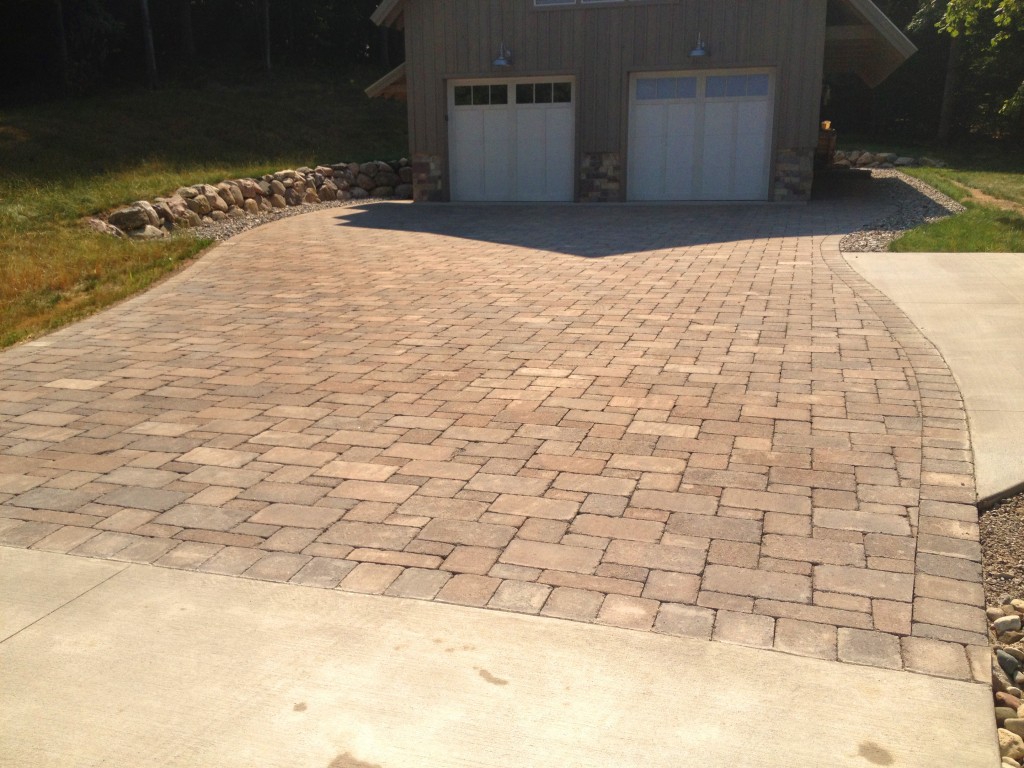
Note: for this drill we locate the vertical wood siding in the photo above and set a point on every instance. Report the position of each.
(600, 45)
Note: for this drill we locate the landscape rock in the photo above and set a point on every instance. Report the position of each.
(105, 228)
(358, 193)
(149, 232)
(902, 162)
(154, 217)
(218, 215)
(188, 219)
(163, 210)
(277, 188)
(1006, 700)
(1006, 624)
(199, 204)
(382, 192)
(217, 203)
(328, 190)
(279, 202)
(1010, 744)
(186, 192)
(1015, 725)
(366, 181)
(251, 206)
(1005, 713)
(404, 191)
(129, 219)
(311, 197)
(1009, 664)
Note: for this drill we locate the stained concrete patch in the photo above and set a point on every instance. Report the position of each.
(171, 668)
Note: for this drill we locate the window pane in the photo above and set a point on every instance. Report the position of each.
(716, 87)
(481, 94)
(757, 85)
(463, 96)
(563, 93)
(687, 87)
(499, 94)
(646, 89)
(737, 85)
(542, 92)
(666, 88)
(524, 93)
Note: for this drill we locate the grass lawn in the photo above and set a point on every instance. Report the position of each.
(989, 225)
(64, 160)
(985, 226)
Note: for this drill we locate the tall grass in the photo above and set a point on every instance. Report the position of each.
(65, 160)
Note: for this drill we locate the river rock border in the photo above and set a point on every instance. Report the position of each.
(859, 158)
(205, 204)
(1005, 628)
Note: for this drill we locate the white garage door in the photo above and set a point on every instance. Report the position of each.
(511, 141)
(700, 136)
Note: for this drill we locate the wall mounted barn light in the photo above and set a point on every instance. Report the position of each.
(504, 56)
(700, 50)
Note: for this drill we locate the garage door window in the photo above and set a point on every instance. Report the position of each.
(544, 93)
(663, 88)
(480, 95)
(735, 86)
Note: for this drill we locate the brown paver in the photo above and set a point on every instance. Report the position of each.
(697, 421)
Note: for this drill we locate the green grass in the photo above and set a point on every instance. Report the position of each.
(982, 229)
(65, 160)
(985, 227)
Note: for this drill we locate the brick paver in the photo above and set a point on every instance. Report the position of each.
(690, 420)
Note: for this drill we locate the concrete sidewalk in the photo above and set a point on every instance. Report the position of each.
(105, 663)
(971, 307)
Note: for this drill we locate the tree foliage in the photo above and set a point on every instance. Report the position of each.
(194, 40)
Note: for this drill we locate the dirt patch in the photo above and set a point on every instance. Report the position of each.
(996, 202)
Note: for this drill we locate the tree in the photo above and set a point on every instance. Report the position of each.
(188, 40)
(62, 46)
(147, 35)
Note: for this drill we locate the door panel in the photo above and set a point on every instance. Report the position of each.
(700, 136)
(512, 141)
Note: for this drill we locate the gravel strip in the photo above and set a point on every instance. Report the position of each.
(223, 230)
(1002, 549)
(915, 202)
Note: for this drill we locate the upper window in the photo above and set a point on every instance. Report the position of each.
(543, 93)
(664, 88)
(726, 86)
(480, 95)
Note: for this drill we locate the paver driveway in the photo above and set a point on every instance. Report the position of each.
(695, 420)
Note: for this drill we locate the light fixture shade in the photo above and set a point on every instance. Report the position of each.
(700, 50)
(504, 56)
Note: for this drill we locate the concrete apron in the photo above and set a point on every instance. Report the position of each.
(971, 307)
(115, 664)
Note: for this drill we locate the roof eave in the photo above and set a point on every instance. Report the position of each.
(387, 13)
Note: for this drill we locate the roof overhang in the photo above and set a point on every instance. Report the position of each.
(861, 39)
(388, 14)
(391, 86)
